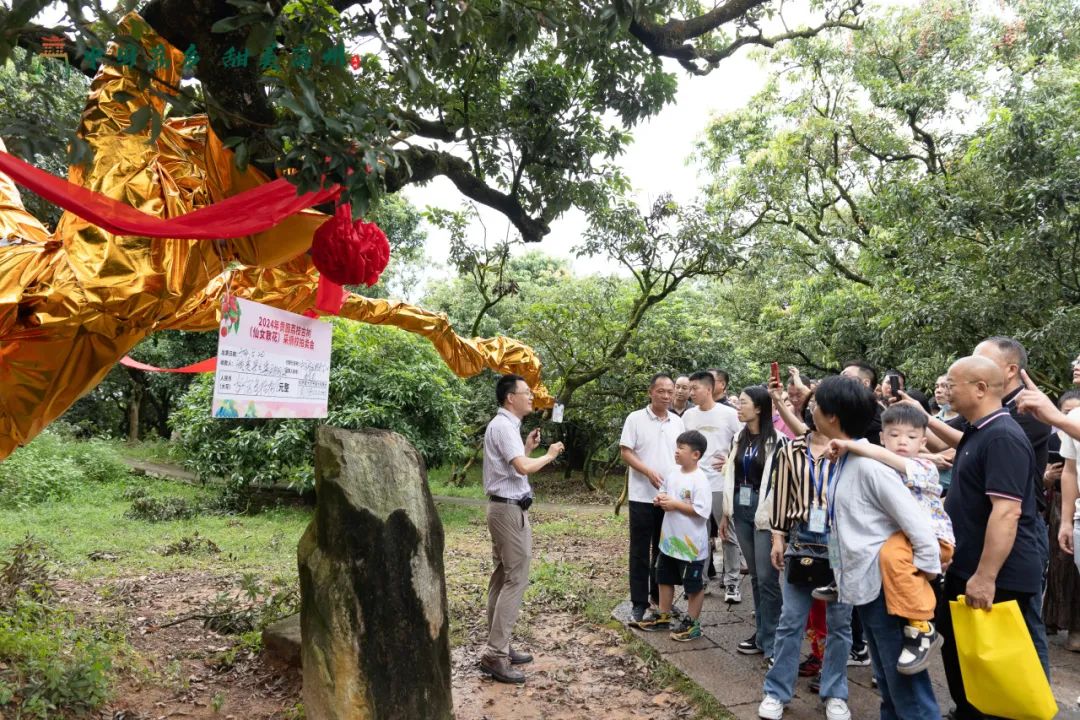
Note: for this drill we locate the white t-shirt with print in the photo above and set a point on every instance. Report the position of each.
(720, 424)
(1070, 450)
(682, 536)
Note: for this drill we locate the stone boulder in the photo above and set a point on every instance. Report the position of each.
(373, 595)
(282, 640)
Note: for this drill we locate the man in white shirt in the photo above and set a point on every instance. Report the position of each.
(507, 466)
(719, 424)
(648, 449)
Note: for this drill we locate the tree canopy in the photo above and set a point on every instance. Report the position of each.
(523, 106)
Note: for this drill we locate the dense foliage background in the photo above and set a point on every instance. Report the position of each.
(895, 193)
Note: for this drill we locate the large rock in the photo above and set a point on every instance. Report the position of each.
(282, 640)
(373, 594)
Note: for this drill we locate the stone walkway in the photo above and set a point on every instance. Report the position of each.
(736, 680)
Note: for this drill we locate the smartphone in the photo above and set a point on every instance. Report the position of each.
(894, 386)
(774, 372)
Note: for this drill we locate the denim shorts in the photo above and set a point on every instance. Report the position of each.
(689, 574)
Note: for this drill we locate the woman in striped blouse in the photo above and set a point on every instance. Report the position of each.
(801, 479)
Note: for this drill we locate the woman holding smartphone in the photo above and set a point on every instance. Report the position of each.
(746, 506)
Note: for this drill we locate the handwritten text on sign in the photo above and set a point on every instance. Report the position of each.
(271, 363)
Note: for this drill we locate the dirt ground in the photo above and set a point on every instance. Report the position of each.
(581, 668)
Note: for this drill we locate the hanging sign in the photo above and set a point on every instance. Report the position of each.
(270, 363)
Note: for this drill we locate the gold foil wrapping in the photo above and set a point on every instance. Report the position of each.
(74, 302)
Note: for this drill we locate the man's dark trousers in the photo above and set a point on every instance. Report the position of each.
(954, 587)
(645, 522)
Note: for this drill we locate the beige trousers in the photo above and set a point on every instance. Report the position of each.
(511, 550)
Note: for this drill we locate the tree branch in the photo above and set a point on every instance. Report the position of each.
(426, 164)
(671, 38)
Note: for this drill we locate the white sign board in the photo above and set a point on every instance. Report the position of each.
(270, 363)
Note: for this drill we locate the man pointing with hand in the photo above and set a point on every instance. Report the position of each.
(507, 465)
(648, 449)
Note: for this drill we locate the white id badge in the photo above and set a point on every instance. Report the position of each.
(834, 552)
(817, 519)
(557, 413)
(744, 496)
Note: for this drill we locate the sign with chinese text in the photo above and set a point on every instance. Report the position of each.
(271, 363)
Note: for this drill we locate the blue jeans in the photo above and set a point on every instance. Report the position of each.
(903, 697)
(764, 579)
(780, 680)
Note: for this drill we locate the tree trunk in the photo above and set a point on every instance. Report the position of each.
(133, 408)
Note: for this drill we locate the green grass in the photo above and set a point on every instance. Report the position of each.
(92, 520)
(161, 451)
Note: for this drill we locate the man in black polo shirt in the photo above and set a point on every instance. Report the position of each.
(1009, 355)
(991, 502)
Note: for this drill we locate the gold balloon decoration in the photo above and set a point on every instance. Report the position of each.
(75, 301)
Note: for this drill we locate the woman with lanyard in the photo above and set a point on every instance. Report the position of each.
(746, 505)
(801, 479)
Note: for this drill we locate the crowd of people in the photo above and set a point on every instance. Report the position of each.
(858, 508)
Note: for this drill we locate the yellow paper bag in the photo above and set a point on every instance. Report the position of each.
(1001, 670)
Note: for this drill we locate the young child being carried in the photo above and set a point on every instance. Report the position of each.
(908, 593)
(686, 498)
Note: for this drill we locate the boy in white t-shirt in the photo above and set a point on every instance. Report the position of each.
(686, 499)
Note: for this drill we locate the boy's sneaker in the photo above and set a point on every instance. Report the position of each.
(661, 622)
(749, 646)
(859, 657)
(687, 630)
(836, 709)
(732, 595)
(770, 708)
(915, 655)
(829, 593)
(809, 667)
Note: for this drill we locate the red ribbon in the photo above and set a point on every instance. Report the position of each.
(246, 213)
(207, 365)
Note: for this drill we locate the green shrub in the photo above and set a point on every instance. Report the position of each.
(154, 509)
(380, 378)
(51, 466)
(52, 665)
(49, 664)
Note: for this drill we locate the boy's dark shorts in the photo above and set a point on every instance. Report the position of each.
(672, 571)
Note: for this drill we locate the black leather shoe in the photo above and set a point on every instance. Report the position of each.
(519, 658)
(501, 670)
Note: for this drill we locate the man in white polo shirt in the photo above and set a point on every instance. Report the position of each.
(648, 449)
(506, 468)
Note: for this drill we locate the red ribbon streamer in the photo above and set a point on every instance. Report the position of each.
(207, 365)
(246, 213)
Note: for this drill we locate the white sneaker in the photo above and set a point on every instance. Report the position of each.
(732, 595)
(770, 708)
(836, 709)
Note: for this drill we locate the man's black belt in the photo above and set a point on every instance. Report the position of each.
(523, 503)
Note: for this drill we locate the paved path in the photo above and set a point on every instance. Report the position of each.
(736, 680)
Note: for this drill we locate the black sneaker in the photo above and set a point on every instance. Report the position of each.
(828, 593)
(660, 622)
(809, 667)
(687, 630)
(859, 657)
(815, 684)
(915, 655)
(749, 646)
(637, 614)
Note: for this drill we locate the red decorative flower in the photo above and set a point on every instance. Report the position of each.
(350, 253)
